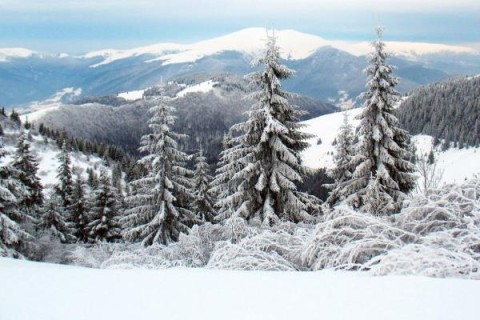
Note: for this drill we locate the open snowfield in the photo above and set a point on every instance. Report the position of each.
(43, 291)
(457, 164)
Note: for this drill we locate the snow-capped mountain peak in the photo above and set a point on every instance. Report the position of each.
(293, 44)
(7, 53)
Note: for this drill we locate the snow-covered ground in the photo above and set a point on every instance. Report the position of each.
(44, 291)
(458, 164)
(205, 86)
(132, 95)
(38, 109)
(47, 156)
(7, 53)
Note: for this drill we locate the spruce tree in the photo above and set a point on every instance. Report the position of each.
(269, 150)
(159, 208)
(79, 210)
(223, 184)
(13, 238)
(26, 166)
(204, 200)
(106, 212)
(53, 219)
(65, 186)
(383, 174)
(342, 172)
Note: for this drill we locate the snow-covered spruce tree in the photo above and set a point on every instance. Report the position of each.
(204, 199)
(159, 208)
(65, 186)
(342, 172)
(52, 219)
(383, 174)
(269, 151)
(79, 211)
(223, 184)
(106, 213)
(13, 238)
(26, 166)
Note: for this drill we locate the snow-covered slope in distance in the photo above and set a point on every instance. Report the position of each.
(458, 164)
(41, 291)
(38, 109)
(47, 155)
(294, 45)
(7, 53)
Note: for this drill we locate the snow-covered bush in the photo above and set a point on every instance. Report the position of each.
(270, 249)
(93, 256)
(437, 236)
(447, 224)
(347, 239)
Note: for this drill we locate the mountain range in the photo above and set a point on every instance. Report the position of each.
(323, 67)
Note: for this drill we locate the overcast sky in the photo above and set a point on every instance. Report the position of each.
(76, 26)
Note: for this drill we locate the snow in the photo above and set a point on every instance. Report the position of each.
(458, 164)
(48, 163)
(32, 290)
(409, 50)
(111, 55)
(132, 95)
(38, 109)
(326, 128)
(294, 45)
(7, 53)
(205, 86)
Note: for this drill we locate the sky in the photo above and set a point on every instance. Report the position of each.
(77, 26)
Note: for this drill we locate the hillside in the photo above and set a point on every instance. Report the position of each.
(458, 164)
(28, 76)
(447, 110)
(206, 108)
(46, 152)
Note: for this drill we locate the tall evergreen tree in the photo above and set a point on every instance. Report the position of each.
(204, 200)
(26, 166)
(79, 210)
(269, 150)
(342, 172)
(106, 213)
(65, 186)
(383, 174)
(13, 238)
(223, 184)
(159, 207)
(53, 219)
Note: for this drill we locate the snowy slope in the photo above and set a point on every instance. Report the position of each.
(294, 45)
(132, 95)
(38, 109)
(8, 53)
(458, 164)
(47, 156)
(39, 291)
(205, 86)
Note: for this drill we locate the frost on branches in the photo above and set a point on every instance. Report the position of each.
(105, 216)
(26, 166)
(13, 238)
(223, 184)
(383, 173)
(159, 204)
(268, 151)
(204, 200)
(342, 172)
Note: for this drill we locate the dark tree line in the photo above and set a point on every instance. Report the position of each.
(448, 110)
